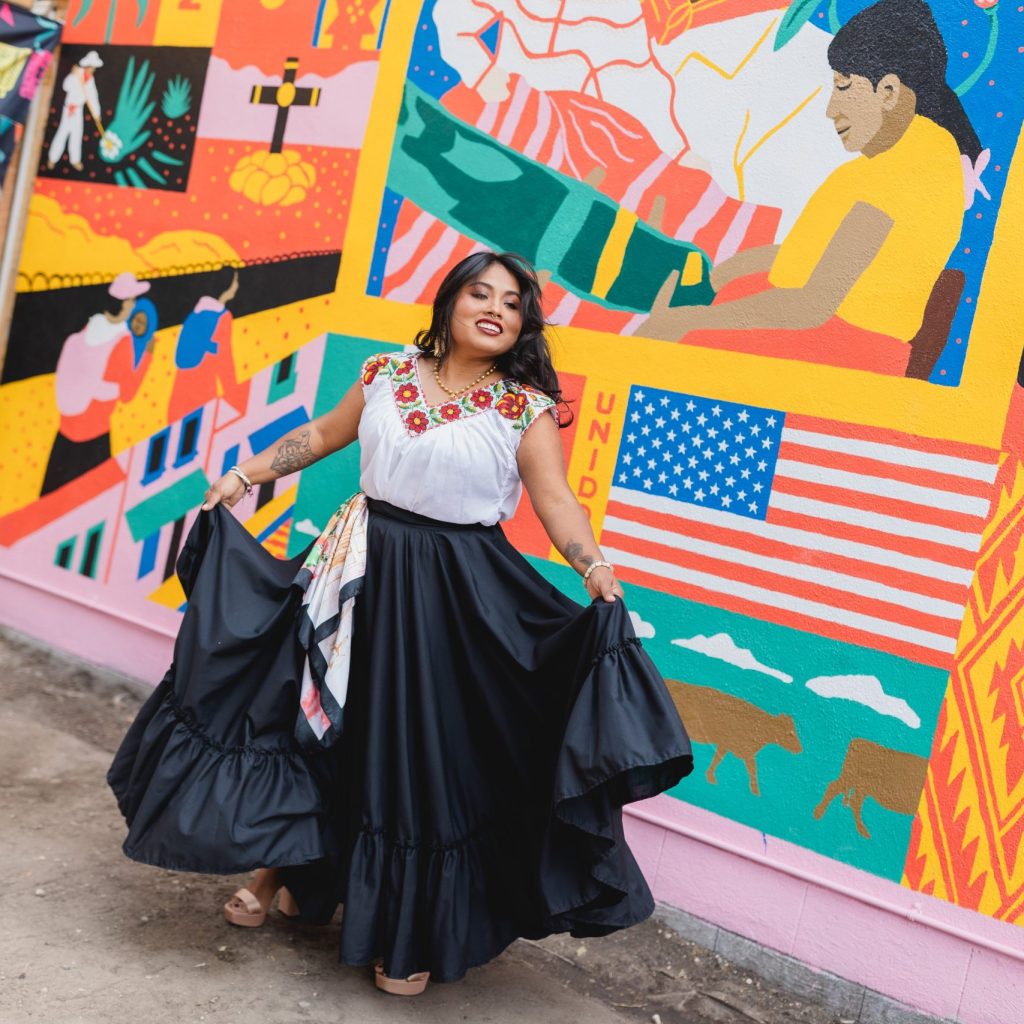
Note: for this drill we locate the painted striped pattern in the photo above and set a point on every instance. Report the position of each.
(578, 136)
(864, 535)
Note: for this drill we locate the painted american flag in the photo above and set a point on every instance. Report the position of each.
(861, 534)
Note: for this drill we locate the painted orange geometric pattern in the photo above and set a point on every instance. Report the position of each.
(966, 840)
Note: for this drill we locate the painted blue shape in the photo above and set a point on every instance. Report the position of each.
(196, 338)
(699, 451)
(188, 438)
(146, 308)
(427, 68)
(156, 456)
(389, 209)
(318, 22)
(147, 560)
(230, 459)
(269, 433)
(383, 24)
(489, 36)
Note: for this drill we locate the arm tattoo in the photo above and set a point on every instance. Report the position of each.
(574, 553)
(293, 454)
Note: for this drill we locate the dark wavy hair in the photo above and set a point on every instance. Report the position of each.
(900, 37)
(529, 359)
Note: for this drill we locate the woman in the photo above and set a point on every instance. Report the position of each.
(464, 735)
(849, 284)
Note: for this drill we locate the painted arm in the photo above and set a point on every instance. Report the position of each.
(542, 469)
(850, 252)
(750, 261)
(92, 100)
(122, 371)
(299, 448)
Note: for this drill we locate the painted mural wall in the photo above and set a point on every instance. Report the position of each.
(792, 345)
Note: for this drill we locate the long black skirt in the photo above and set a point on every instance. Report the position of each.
(492, 732)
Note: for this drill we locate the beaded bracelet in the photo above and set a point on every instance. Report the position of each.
(593, 566)
(241, 476)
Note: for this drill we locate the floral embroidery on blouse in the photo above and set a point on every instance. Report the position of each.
(514, 401)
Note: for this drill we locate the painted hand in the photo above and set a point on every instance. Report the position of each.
(670, 323)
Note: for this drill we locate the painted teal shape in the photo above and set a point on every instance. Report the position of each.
(508, 212)
(797, 15)
(167, 505)
(327, 483)
(493, 193)
(791, 785)
(141, 5)
(134, 108)
(177, 98)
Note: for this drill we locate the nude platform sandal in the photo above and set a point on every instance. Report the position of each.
(411, 986)
(244, 910)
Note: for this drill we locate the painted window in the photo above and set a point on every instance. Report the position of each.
(156, 456)
(91, 551)
(282, 380)
(230, 458)
(65, 552)
(188, 439)
(147, 560)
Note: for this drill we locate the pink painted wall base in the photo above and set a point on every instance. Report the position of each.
(830, 916)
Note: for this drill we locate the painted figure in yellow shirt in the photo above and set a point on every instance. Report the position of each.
(850, 281)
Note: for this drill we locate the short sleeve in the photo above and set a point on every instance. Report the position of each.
(375, 367)
(522, 406)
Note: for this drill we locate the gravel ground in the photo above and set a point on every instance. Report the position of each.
(90, 937)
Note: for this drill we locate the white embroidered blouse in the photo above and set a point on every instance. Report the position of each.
(455, 461)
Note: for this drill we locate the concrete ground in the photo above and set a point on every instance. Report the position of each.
(89, 937)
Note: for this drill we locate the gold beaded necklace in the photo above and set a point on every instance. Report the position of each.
(461, 391)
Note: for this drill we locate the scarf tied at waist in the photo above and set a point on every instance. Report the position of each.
(331, 578)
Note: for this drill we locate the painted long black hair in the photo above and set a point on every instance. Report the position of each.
(529, 360)
(900, 37)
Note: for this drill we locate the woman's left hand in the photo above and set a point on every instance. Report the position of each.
(602, 583)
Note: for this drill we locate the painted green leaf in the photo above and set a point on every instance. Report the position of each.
(796, 16)
(177, 98)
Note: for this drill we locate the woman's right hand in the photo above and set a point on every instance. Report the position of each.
(228, 490)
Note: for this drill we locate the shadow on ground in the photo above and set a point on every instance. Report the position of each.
(90, 936)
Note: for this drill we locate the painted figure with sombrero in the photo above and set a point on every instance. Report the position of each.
(79, 92)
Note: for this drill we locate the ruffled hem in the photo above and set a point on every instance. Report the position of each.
(462, 903)
(614, 752)
(569, 870)
(193, 803)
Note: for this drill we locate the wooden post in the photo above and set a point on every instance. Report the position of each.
(21, 179)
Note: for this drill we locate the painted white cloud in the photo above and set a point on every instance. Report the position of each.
(722, 647)
(866, 690)
(644, 630)
(307, 526)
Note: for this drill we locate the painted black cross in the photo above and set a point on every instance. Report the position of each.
(284, 97)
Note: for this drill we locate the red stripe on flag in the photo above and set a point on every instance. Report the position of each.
(782, 585)
(782, 617)
(885, 470)
(885, 435)
(907, 511)
(739, 539)
(959, 558)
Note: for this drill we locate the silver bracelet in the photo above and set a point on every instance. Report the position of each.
(593, 566)
(241, 476)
